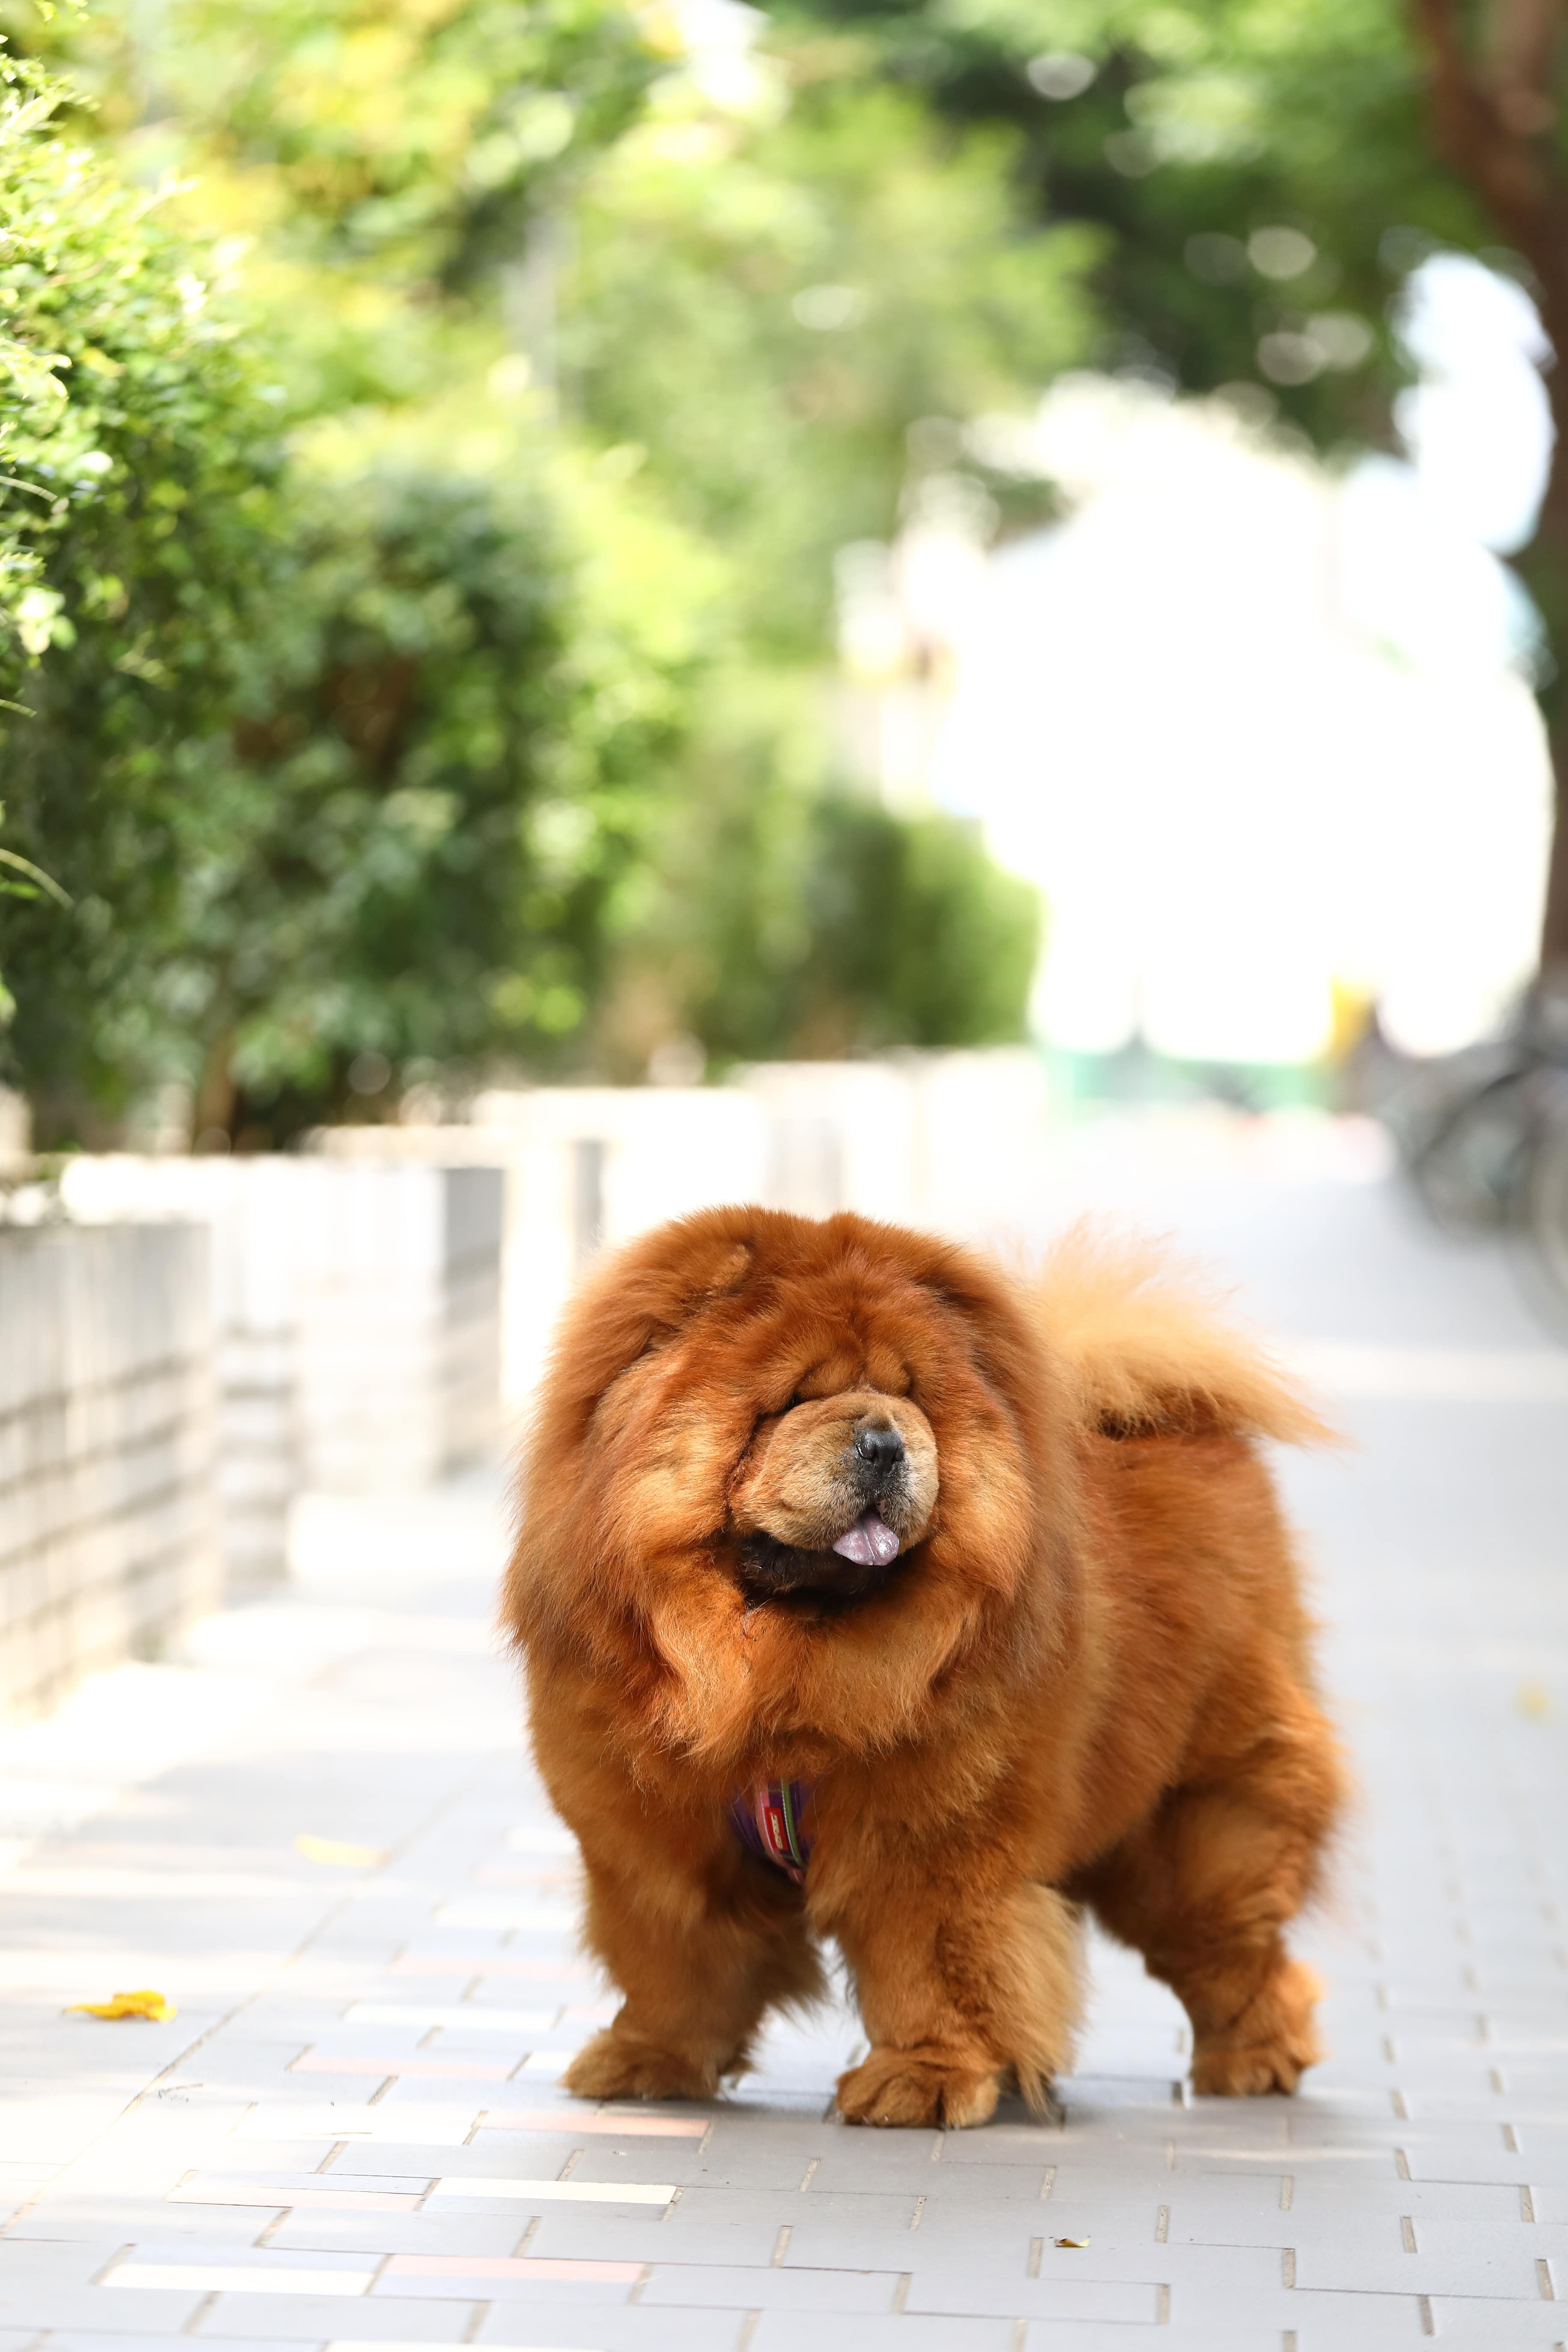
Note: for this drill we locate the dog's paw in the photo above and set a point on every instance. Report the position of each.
(1247, 2073)
(1270, 2046)
(620, 2066)
(899, 2086)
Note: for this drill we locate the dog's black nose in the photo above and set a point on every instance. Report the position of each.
(881, 1450)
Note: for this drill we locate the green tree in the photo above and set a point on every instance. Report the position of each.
(137, 459)
(768, 315)
(405, 143)
(20, 878)
(393, 171)
(759, 310)
(340, 741)
(450, 749)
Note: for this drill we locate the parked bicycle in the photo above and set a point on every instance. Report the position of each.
(1483, 1136)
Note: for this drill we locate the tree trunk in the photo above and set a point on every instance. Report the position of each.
(1554, 972)
(1494, 115)
(1542, 567)
(212, 1112)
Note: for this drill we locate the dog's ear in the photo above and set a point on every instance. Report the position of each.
(642, 1295)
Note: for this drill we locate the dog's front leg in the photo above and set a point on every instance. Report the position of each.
(701, 1942)
(966, 1987)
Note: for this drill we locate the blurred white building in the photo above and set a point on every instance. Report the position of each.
(1260, 733)
(1261, 730)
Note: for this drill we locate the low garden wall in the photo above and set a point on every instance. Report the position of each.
(355, 1314)
(107, 1535)
(953, 1140)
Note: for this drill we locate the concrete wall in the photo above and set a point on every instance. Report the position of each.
(356, 1313)
(108, 1537)
(399, 1325)
(951, 1141)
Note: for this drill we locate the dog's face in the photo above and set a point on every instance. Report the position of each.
(789, 1469)
(832, 1491)
(801, 1406)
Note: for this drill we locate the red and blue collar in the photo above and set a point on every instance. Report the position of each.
(770, 1822)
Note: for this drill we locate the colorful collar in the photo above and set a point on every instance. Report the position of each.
(768, 1820)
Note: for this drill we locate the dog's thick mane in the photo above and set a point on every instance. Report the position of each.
(1144, 1345)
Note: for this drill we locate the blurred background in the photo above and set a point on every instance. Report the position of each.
(920, 607)
(577, 541)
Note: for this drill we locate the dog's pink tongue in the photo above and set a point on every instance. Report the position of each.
(869, 1543)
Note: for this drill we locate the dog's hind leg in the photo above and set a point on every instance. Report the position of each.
(701, 1946)
(1204, 1890)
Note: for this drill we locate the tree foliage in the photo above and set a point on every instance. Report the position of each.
(912, 938)
(760, 316)
(1176, 133)
(452, 734)
(337, 749)
(369, 613)
(139, 459)
(401, 140)
(785, 919)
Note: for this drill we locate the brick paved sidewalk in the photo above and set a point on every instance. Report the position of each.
(351, 2134)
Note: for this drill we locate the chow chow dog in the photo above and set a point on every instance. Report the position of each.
(871, 1593)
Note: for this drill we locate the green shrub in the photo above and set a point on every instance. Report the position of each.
(917, 937)
(341, 745)
(139, 457)
(792, 919)
(451, 737)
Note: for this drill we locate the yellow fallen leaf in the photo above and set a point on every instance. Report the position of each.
(1534, 1699)
(350, 1857)
(155, 2005)
(1070, 2242)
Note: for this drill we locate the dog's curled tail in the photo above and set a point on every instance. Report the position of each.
(1145, 1344)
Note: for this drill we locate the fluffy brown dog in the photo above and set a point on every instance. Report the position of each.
(991, 1576)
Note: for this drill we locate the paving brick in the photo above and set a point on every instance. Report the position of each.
(778, 2331)
(1482, 2327)
(376, 2320)
(852, 2160)
(1442, 2261)
(108, 2223)
(99, 2310)
(1106, 2212)
(599, 2159)
(400, 2233)
(841, 2244)
(737, 2289)
(1001, 2143)
(573, 2231)
(600, 2279)
(1320, 2324)
(151, 2264)
(1128, 2301)
(570, 2328)
(864, 2209)
(1365, 2211)
(81, 2340)
(982, 2185)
